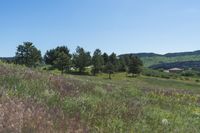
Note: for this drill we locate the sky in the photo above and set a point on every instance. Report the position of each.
(120, 26)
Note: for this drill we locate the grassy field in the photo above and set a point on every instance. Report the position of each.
(35, 101)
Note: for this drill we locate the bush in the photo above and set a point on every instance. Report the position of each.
(188, 74)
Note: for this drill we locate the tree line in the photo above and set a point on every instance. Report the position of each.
(60, 58)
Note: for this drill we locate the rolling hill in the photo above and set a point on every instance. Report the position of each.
(183, 65)
(150, 59)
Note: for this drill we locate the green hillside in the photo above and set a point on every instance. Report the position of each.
(149, 61)
(33, 100)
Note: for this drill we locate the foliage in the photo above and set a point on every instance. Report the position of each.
(62, 62)
(81, 59)
(124, 62)
(114, 61)
(150, 59)
(8, 59)
(184, 65)
(52, 55)
(97, 61)
(110, 69)
(135, 65)
(39, 101)
(105, 58)
(27, 54)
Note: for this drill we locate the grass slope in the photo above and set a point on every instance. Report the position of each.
(39, 101)
(149, 61)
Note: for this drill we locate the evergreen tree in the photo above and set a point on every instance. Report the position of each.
(27, 54)
(53, 54)
(124, 62)
(62, 62)
(109, 68)
(105, 58)
(97, 61)
(114, 61)
(81, 59)
(122, 65)
(135, 65)
(112, 64)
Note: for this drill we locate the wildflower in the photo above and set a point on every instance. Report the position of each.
(165, 122)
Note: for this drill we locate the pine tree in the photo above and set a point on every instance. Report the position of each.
(81, 59)
(53, 54)
(105, 58)
(97, 61)
(135, 65)
(27, 54)
(109, 68)
(62, 62)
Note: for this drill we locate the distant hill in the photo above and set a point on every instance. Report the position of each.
(7, 59)
(166, 55)
(151, 59)
(184, 65)
(143, 54)
(182, 54)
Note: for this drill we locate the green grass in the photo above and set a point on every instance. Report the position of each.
(149, 61)
(97, 104)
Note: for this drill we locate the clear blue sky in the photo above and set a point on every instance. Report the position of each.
(122, 26)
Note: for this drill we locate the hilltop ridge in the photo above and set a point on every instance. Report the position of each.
(151, 59)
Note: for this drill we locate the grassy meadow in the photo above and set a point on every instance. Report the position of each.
(35, 100)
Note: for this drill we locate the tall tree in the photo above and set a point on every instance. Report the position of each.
(52, 55)
(97, 61)
(109, 68)
(114, 60)
(105, 58)
(27, 54)
(62, 62)
(135, 65)
(81, 59)
(59, 58)
(124, 62)
(111, 65)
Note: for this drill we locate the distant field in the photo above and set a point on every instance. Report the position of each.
(33, 100)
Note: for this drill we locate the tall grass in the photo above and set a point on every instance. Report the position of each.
(38, 101)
